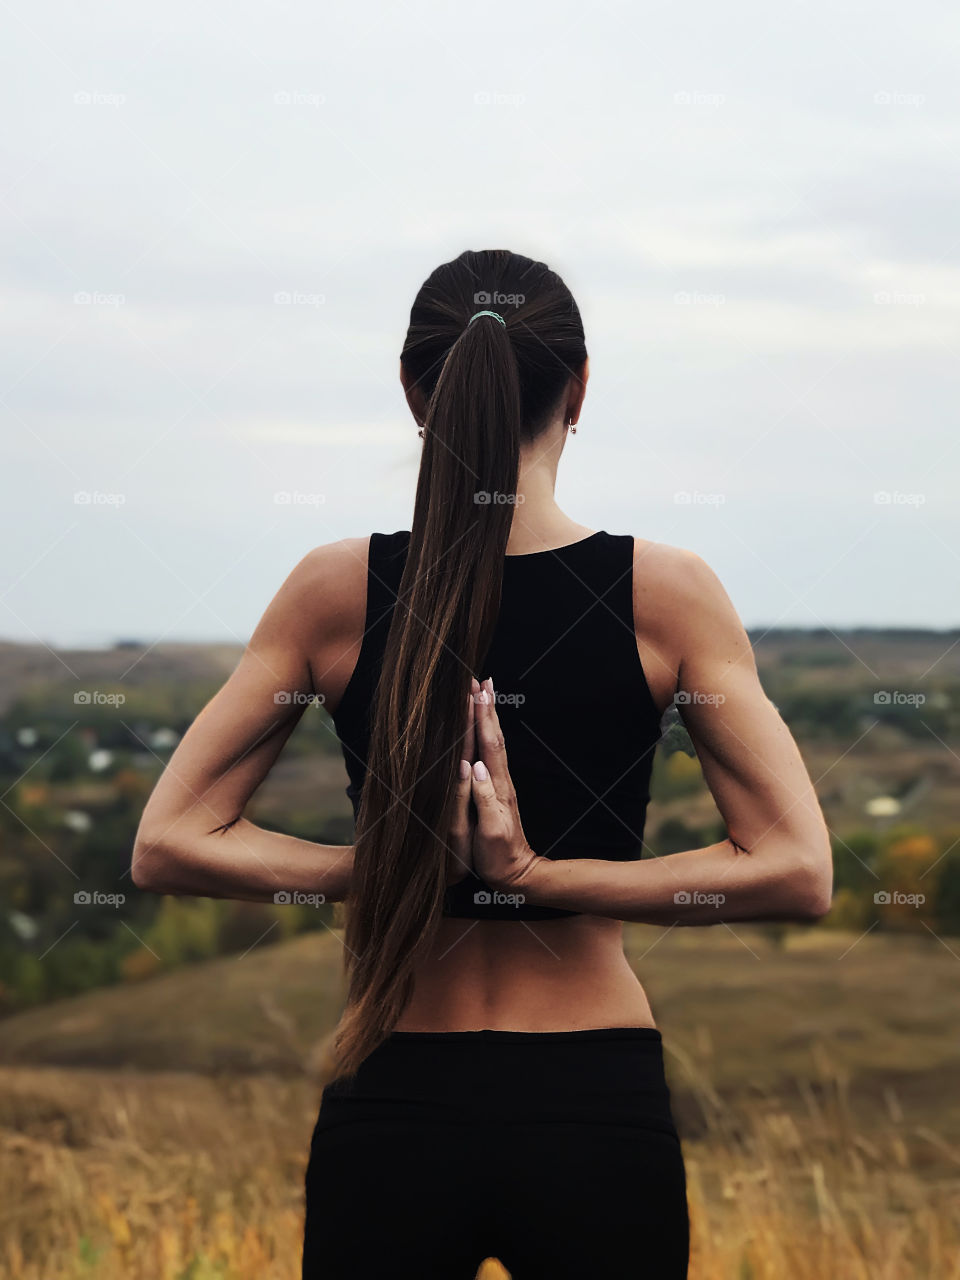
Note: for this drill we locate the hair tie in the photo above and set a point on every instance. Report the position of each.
(495, 314)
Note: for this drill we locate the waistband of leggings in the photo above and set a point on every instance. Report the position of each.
(598, 1075)
(488, 1035)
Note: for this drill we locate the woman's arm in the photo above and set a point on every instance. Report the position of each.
(777, 863)
(192, 837)
(699, 886)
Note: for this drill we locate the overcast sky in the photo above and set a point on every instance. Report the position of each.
(757, 208)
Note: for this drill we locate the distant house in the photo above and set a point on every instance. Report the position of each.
(24, 926)
(882, 807)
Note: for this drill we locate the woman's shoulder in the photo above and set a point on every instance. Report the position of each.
(681, 604)
(327, 598)
(325, 592)
(331, 574)
(672, 584)
(676, 570)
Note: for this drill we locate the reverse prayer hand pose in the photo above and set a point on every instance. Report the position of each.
(463, 824)
(501, 855)
(721, 882)
(498, 1085)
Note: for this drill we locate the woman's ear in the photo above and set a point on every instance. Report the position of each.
(578, 389)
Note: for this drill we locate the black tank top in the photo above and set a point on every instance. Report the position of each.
(576, 711)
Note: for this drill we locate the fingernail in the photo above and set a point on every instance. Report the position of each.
(480, 771)
(464, 770)
(474, 683)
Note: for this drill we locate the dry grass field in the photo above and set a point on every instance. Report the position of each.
(159, 1131)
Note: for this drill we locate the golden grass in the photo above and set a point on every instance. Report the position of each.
(816, 1085)
(123, 1176)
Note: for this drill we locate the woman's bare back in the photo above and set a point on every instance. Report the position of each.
(528, 975)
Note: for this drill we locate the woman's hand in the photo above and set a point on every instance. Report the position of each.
(461, 833)
(501, 855)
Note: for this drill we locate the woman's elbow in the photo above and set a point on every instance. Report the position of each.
(811, 885)
(152, 865)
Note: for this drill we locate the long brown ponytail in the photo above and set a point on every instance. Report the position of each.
(487, 388)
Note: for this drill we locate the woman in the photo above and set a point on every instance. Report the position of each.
(500, 1086)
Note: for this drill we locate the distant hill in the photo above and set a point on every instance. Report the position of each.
(876, 713)
(134, 665)
(754, 1014)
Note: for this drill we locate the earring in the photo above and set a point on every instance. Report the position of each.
(572, 427)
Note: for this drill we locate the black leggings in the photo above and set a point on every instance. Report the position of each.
(553, 1151)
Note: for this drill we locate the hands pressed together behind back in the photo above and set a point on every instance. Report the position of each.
(486, 835)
